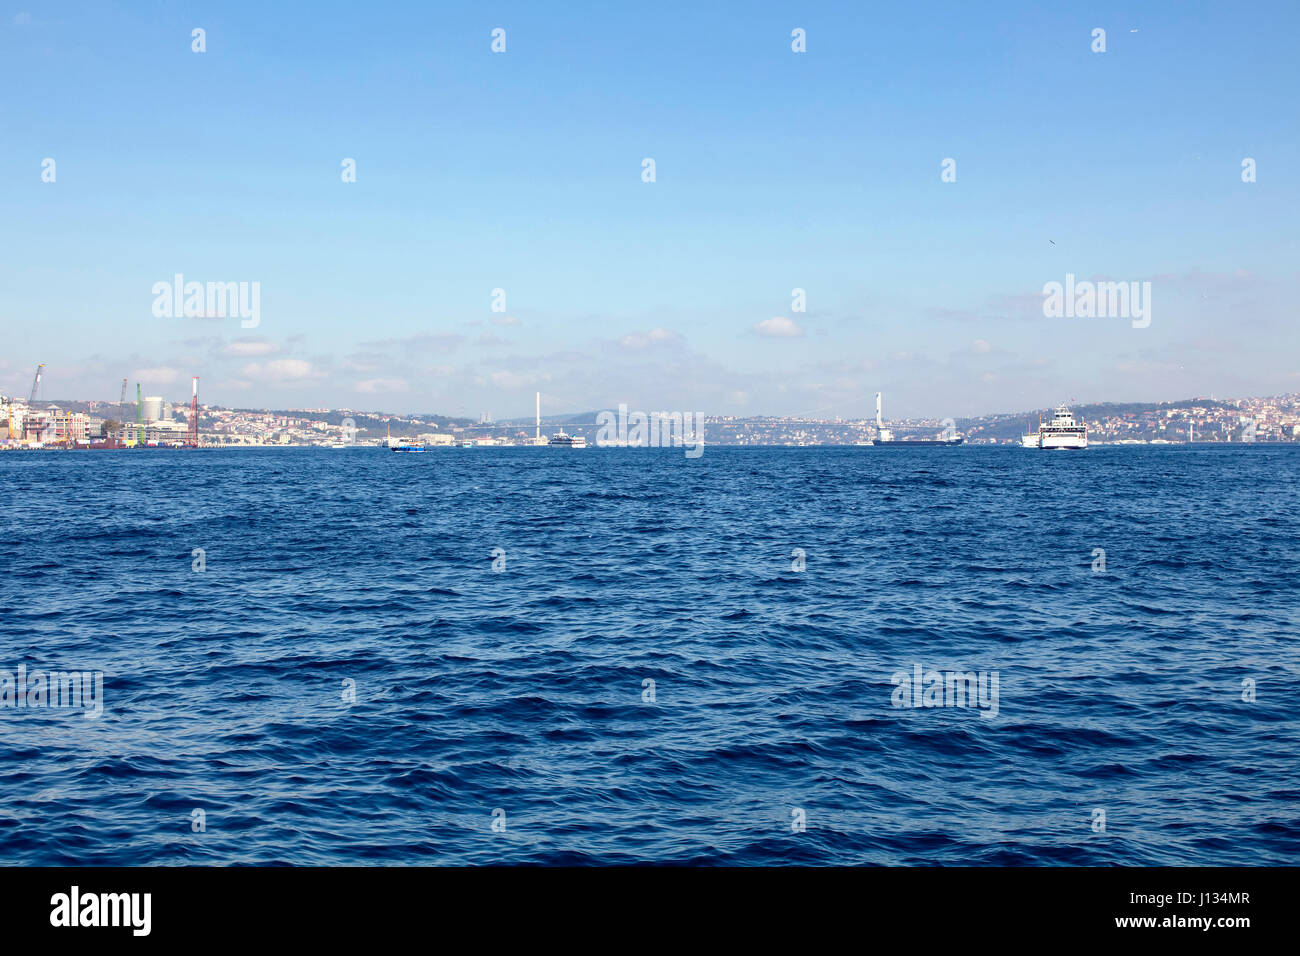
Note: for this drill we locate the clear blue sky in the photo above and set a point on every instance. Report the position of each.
(775, 170)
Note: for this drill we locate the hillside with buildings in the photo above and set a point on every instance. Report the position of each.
(156, 422)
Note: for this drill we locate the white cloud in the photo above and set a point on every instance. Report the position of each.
(778, 327)
(157, 376)
(290, 368)
(245, 347)
(511, 379)
(441, 341)
(506, 320)
(641, 340)
(981, 346)
(367, 362)
(372, 385)
(280, 369)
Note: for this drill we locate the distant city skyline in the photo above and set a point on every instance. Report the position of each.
(500, 239)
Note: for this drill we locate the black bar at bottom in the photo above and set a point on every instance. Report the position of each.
(950, 906)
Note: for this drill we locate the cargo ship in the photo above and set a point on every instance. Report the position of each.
(911, 442)
(886, 437)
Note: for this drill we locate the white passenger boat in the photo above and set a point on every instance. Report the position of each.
(1063, 432)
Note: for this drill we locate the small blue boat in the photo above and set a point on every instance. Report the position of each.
(400, 444)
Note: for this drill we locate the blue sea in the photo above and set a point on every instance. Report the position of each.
(601, 656)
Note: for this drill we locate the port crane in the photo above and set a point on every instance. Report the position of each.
(192, 436)
(31, 400)
(36, 382)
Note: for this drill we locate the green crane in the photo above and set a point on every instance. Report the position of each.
(139, 415)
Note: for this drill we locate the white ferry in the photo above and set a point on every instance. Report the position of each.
(562, 440)
(1063, 432)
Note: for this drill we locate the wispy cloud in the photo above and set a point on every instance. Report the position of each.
(778, 327)
(445, 341)
(157, 376)
(511, 379)
(245, 348)
(371, 386)
(643, 340)
(280, 370)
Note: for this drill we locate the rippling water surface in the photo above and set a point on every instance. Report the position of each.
(522, 690)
